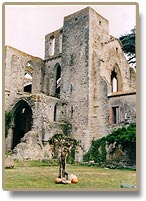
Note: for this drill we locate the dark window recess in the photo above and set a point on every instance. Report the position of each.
(115, 115)
(58, 80)
(72, 111)
(28, 88)
(71, 88)
(55, 112)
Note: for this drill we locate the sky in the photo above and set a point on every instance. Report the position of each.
(27, 25)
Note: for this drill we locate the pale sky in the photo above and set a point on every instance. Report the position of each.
(27, 25)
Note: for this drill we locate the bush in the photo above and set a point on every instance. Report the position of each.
(125, 136)
(97, 151)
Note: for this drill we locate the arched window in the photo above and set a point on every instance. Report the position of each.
(52, 46)
(58, 80)
(28, 77)
(116, 79)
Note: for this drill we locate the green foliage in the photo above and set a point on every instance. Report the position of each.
(8, 121)
(128, 45)
(71, 156)
(63, 142)
(128, 42)
(97, 151)
(66, 128)
(125, 136)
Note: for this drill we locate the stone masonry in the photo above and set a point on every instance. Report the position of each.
(84, 80)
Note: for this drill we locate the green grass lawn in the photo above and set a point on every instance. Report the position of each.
(43, 177)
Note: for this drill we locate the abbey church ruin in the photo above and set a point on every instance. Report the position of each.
(84, 80)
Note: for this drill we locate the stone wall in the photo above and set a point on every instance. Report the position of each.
(113, 56)
(127, 106)
(15, 67)
(53, 44)
(105, 54)
(75, 82)
(50, 75)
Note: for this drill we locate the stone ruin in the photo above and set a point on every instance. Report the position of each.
(84, 79)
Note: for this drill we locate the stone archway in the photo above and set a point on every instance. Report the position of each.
(22, 121)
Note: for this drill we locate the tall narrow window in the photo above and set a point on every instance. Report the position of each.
(71, 88)
(72, 111)
(55, 112)
(51, 46)
(114, 81)
(28, 78)
(58, 80)
(114, 85)
(115, 115)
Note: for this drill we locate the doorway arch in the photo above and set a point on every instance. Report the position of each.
(22, 121)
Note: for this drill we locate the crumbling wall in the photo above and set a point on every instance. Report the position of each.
(16, 62)
(30, 147)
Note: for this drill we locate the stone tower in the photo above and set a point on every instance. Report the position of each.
(89, 55)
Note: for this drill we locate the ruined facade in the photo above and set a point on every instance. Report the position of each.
(84, 80)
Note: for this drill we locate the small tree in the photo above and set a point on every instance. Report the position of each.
(63, 145)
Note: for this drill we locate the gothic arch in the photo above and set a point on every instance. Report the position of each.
(28, 75)
(22, 121)
(116, 79)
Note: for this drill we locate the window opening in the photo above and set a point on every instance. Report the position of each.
(58, 80)
(115, 115)
(114, 81)
(71, 88)
(28, 78)
(52, 46)
(72, 111)
(55, 112)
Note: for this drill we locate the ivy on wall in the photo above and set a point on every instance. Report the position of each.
(125, 136)
(8, 121)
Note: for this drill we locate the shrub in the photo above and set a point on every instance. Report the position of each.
(125, 136)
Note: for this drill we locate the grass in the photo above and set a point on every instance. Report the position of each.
(25, 176)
